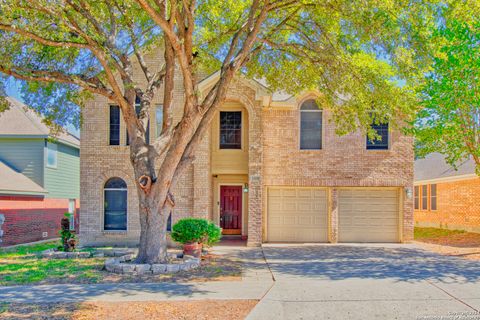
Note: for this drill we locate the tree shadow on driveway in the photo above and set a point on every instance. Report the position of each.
(399, 263)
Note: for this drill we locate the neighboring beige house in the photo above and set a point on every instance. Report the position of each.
(271, 169)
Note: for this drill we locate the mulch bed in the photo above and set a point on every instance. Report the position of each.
(195, 310)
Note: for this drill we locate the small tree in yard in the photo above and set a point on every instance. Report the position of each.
(354, 52)
(449, 122)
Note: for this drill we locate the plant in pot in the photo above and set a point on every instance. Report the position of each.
(192, 233)
(68, 238)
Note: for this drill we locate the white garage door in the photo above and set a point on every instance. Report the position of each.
(297, 215)
(368, 215)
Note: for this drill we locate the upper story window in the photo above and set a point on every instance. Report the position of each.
(51, 155)
(114, 125)
(424, 197)
(115, 204)
(433, 197)
(310, 126)
(159, 119)
(417, 197)
(147, 133)
(230, 129)
(381, 143)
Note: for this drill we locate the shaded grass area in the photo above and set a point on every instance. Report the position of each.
(23, 265)
(208, 309)
(429, 233)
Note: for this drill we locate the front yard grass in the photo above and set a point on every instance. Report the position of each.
(23, 266)
(432, 233)
(449, 242)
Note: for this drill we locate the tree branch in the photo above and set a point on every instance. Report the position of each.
(42, 40)
(55, 76)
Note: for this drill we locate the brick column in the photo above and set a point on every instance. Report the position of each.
(202, 180)
(333, 219)
(255, 182)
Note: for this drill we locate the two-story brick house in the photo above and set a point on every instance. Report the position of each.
(270, 169)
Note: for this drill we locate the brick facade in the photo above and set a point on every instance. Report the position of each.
(27, 219)
(343, 161)
(458, 205)
(274, 159)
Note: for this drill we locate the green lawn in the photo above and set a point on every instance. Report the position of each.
(430, 233)
(22, 265)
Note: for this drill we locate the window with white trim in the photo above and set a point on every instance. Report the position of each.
(230, 129)
(52, 155)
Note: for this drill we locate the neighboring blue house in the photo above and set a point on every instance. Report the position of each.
(39, 176)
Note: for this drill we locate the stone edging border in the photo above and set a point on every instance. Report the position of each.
(117, 265)
(50, 254)
(53, 254)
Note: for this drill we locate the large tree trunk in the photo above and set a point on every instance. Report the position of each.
(153, 232)
(154, 206)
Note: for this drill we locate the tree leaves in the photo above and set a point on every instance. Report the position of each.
(449, 122)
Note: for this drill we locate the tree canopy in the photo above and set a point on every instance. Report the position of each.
(449, 121)
(355, 53)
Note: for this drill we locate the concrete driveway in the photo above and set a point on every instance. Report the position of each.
(368, 282)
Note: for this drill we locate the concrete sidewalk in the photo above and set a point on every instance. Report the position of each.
(256, 281)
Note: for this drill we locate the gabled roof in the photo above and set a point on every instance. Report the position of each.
(21, 121)
(13, 182)
(434, 167)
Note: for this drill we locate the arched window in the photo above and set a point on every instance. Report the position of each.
(115, 204)
(310, 126)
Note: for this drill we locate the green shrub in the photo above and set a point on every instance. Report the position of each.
(190, 230)
(214, 233)
(65, 233)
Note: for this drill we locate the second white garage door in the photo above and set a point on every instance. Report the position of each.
(297, 215)
(368, 215)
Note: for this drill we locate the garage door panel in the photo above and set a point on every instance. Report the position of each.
(297, 215)
(368, 215)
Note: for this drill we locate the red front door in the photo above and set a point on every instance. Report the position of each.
(231, 209)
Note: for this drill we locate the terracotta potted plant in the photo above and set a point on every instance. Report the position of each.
(192, 233)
